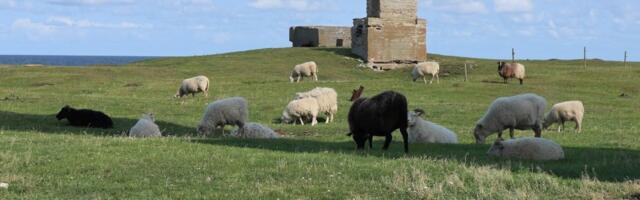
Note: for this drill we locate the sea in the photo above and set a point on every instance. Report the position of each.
(51, 60)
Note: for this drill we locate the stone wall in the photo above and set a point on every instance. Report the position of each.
(391, 33)
(320, 36)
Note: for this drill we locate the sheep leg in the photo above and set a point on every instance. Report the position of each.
(438, 78)
(315, 77)
(505, 80)
(387, 141)
(298, 78)
(500, 134)
(328, 115)
(301, 122)
(424, 79)
(314, 121)
(432, 77)
(521, 81)
(578, 125)
(511, 132)
(370, 141)
(538, 131)
(405, 138)
(559, 127)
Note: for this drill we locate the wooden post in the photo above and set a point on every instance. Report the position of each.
(585, 57)
(513, 55)
(466, 78)
(625, 59)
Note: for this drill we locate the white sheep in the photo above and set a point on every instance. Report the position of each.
(229, 111)
(255, 131)
(327, 100)
(193, 85)
(422, 131)
(565, 111)
(298, 109)
(423, 68)
(145, 127)
(527, 148)
(522, 112)
(308, 69)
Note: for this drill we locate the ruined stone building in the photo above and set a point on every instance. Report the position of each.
(391, 33)
(320, 36)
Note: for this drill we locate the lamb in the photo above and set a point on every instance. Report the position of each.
(327, 101)
(527, 148)
(422, 131)
(307, 69)
(255, 131)
(565, 111)
(229, 111)
(378, 116)
(194, 85)
(145, 127)
(424, 68)
(522, 112)
(85, 118)
(511, 70)
(301, 108)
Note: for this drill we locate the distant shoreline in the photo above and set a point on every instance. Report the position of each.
(65, 60)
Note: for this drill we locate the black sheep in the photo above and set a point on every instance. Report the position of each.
(85, 118)
(378, 116)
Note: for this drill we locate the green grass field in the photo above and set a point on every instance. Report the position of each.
(43, 158)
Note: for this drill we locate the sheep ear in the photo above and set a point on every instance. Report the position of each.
(419, 111)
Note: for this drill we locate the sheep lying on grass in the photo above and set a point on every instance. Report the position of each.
(511, 70)
(327, 101)
(422, 131)
(298, 109)
(85, 118)
(527, 148)
(565, 111)
(424, 68)
(193, 85)
(255, 131)
(522, 112)
(230, 111)
(145, 127)
(308, 69)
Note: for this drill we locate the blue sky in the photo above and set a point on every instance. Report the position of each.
(538, 29)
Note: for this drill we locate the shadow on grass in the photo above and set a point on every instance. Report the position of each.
(613, 165)
(49, 124)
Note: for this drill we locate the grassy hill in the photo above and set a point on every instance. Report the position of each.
(41, 157)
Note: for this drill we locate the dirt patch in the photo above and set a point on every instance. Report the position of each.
(634, 196)
(42, 84)
(133, 85)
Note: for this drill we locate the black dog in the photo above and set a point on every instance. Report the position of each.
(85, 118)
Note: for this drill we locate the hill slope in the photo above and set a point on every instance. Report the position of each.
(43, 158)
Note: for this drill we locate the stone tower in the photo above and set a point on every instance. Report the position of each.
(391, 33)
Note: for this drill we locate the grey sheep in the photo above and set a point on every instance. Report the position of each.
(230, 111)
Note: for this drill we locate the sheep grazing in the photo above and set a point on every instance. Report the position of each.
(299, 109)
(422, 131)
(194, 85)
(145, 127)
(85, 118)
(308, 69)
(423, 68)
(255, 131)
(522, 112)
(230, 111)
(356, 93)
(378, 116)
(511, 70)
(327, 101)
(528, 148)
(565, 111)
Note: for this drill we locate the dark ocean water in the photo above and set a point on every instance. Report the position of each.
(70, 60)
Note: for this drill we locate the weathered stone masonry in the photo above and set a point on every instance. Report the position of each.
(320, 36)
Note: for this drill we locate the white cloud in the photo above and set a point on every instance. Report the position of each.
(300, 5)
(83, 23)
(458, 6)
(513, 5)
(553, 29)
(34, 29)
(90, 2)
(188, 4)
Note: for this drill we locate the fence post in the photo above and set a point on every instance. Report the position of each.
(625, 59)
(513, 55)
(466, 78)
(585, 57)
